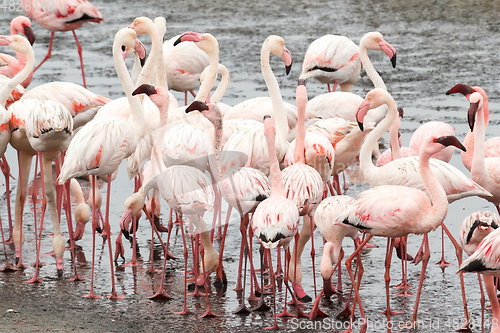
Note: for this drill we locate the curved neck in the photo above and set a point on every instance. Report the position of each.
(222, 87)
(280, 118)
(365, 154)
(277, 187)
(19, 77)
(300, 128)
(439, 201)
(126, 81)
(155, 57)
(213, 67)
(394, 139)
(369, 68)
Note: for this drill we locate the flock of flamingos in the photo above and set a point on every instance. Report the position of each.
(272, 161)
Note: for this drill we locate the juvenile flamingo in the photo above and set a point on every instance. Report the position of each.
(276, 219)
(62, 15)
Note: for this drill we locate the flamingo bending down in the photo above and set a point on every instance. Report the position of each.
(275, 220)
(332, 59)
(62, 15)
(19, 24)
(406, 210)
(82, 212)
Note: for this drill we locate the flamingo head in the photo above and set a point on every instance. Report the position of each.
(190, 36)
(277, 46)
(444, 141)
(375, 41)
(158, 95)
(16, 43)
(461, 88)
(141, 25)
(389, 50)
(375, 98)
(126, 38)
(22, 25)
(476, 102)
(139, 49)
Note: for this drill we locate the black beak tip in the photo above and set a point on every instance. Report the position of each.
(360, 126)
(143, 61)
(177, 41)
(288, 69)
(393, 60)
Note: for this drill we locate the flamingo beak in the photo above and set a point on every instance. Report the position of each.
(361, 112)
(389, 50)
(450, 140)
(401, 112)
(124, 222)
(287, 58)
(460, 88)
(141, 51)
(144, 89)
(30, 35)
(189, 37)
(471, 114)
(197, 106)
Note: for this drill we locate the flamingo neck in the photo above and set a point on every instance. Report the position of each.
(369, 68)
(277, 186)
(137, 116)
(300, 128)
(478, 171)
(394, 139)
(365, 155)
(155, 58)
(469, 141)
(19, 77)
(439, 201)
(213, 68)
(222, 87)
(161, 70)
(273, 88)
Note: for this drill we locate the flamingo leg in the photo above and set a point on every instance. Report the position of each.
(442, 263)
(161, 294)
(318, 311)
(261, 305)
(6, 171)
(80, 51)
(94, 217)
(273, 283)
(133, 262)
(18, 236)
(49, 53)
(482, 301)
(495, 308)
(404, 264)
(285, 313)
(221, 279)
(185, 253)
(303, 238)
(387, 278)
(208, 313)
(242, 307)
(253, 276)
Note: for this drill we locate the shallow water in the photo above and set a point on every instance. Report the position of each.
(439, 43)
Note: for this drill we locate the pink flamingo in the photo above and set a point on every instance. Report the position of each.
(304, 185)
(82, 212)
(492, 145)
(406, 209)
(99, 147)
(276, 219)
(485, 261)
(19, 24)
(474, 228)
(62, 15)
(483, 170)
(332, 59)
(433, 127)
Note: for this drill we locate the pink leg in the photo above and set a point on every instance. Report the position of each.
(107, 229)
(495, 308)
(133, 262)
(185, 310)
(482, 301)
(161, 294)
(404, 263)
(273, 283)
(208, 313)
(261, 305)
(318, 312)
(79, 47)
(49, 53)
(221, 279)
(387, 278)
(6, 171)
(442, 263)
(285, 313)
(253, 276)
(94, 216)
(242, 307)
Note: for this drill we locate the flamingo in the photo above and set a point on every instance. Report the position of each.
(275, 220)
(100, 146)
(395, 150)
(62, 15)
(332, 59)
(221, 88)
(250, 140)
(485, 261)
(473, 229)
(19, 24)
(304, 185)
(82, 212)
(492, 145)
(433, 127)
(485, 171)
(406, 210)
(184, 65)
(186, 189)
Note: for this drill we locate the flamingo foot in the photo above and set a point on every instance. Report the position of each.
(300, 293)
(196, 292)
(35, 279)
(345, 313)
(77, 277)
(285, 313)
(402, 285)
(261, 306)
(92, 295)
(405, 293)
(274, 327)
(183, 312)
(208, 314)
(467, 327)
(160, 294)
(418, 257)
(221, 279)
(151, 270)
(19, 264)
(7, 267)
(316, 311)
(171, 256)
(160, 227)
(131, 263)
(392, 312)
(443, 264)
(328, 289)
(369, 246)
(115, 296)
(242, 309)
(60, 273)
(40, 264)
